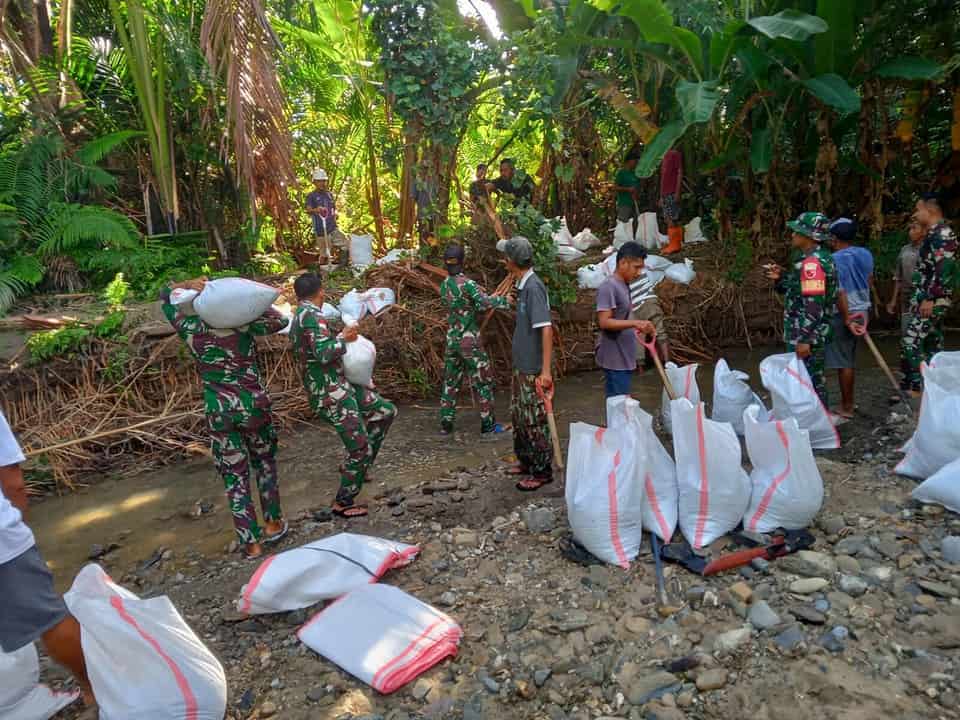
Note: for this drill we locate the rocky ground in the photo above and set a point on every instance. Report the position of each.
(865, 625)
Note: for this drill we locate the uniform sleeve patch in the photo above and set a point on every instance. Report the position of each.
(813, 280)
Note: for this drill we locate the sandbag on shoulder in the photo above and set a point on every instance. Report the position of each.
(787, 487)
(941, 488)
(604, 492)
(793, 396)
(731, 395)
(936, 441)
(143, 660)
(22, 696)
(232, 302)
(321, 570)
(714, 489)
(382, 636)
(684, 381)
(659, 474)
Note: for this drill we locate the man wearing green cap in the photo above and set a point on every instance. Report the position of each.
(464, 353)
(810, 296)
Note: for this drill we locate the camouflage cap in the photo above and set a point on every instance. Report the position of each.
(812, 225)
(517, 249)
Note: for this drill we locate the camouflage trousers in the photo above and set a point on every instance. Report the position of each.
(531, 433)
(814, 363)
(467, 356)
(922, 340)
(362, 420)
(243, 445)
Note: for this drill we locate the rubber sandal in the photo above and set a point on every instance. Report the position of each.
(277, 536)
(499, 432)
(247, 556)
(350, 511)
(516, 470)
(532, 484)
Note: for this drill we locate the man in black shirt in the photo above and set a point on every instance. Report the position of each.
(512, 183)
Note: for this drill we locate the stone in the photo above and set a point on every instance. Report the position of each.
(833, 641)
(539, 519)
(809, 564)
(760, 565)
(519, 619)
(853, 585)
(448, 599)
(421, 689)
(821, 605)
(598, 576)
(950, 549)
(848, 565)
(741, 591)
(880, 574)
(711, 679)
(465, 538)
(649, 687)
(852, 545)
(568, 620)
(268, 709)
(889, 548)
(808, 586)
(685, 699)
(790, 639)
(808, 614)
(637, 625)
(731, 640)
(316, 694)
(937, 588)
(540, 677)
(839, 600)
(473, 709)
(762, 616)
(488, 682)
(832, 524)
(598, 634)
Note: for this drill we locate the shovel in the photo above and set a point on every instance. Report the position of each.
(651, 346)
(784, 542)
(547, 397)
(858, 326)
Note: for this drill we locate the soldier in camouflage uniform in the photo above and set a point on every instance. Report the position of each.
(360, 415)
(810, 296)
(464, 299)
(243, 438)
(934, 280)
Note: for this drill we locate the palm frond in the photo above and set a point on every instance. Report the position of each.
(16, 279)
(95, 150)
(24, 176)
(69, 226)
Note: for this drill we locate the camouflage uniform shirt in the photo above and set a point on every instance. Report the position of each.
(319, 352)
(810, 299)
(464, 299)
(935, 275)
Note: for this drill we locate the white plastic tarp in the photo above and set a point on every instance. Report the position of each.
(787, 487)
(941, 488)
(731, 395)
(684, 381)
(382, 636)
(793, 396)
(143, 660)
(321, 570)
(658, 473)
(604, 491)
(22, 696)
(936, 441)
(233, 302)
(714, 489)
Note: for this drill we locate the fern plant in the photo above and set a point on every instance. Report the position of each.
(45, 210)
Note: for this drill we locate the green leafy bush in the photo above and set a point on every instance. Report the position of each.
(62, 342)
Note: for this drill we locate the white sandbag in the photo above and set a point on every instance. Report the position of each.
(352, 304)
(585, 239)
(143, 660)
(622, 233)
(787, 487)
(590, 277)
(393, 256)
(179, 296)
(656, 262)
(233, 302)
(378, 299)
(693, 232)
(382, 636)
(322, 570)
(941, 488)
(714, 489)
(793, 396)
(684, 381)
(563, 236)
(569, 254)
(943, 359)
(648, 232)
(329, 312)
(731, 395)
(682, 273)
(609, 265)
(359, 360)
(659, 474)
(361, 250)
(22, 696)
(936, 441)
(604, 492)
(655, 277)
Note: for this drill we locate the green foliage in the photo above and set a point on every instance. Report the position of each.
(742, 258)
(62, 342)
(417, 377)
(116, 292)
(790, 24)
(835, 92)
(111, 326)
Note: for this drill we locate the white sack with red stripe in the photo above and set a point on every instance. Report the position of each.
(943, 359)
(731, 395)
(941, 488)
(321, 570)
(787, 487)
(659, 474)
(382, 636)
(684, 381)
(233, 302)
(22, 696)
(144, 661)
(714, 489)
(793, 396)
(605, 491)
(936, 442)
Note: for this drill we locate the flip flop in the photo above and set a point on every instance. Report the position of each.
(277, 536)
(532, 484)
(247, 556)
(516, 469)
(350, 511)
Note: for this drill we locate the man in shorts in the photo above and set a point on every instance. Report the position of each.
(30, 609)
(646, 306)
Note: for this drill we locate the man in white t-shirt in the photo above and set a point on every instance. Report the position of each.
(30, 609)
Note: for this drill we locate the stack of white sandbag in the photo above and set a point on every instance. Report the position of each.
(360, 303)
(684, 382)
(394, 256)
(682, 273)
(648, 232)
(731, 396)
(793, 396)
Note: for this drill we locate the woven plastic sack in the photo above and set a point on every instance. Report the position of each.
(787, 487)
(936, 442)
(329, 312)
(179, 296)
(622, 234)
(648, 232)
(378, 299)
(693, 232)
(659, 472)
(361, 250)
(563, 236)
(22, 696)
(731, 395)
(656, 262)
(584, 240)
(382, 636)
(941, 488)
(793, 396)
(943, 359)
(684, 381)
(590, 277)
(143, 660)
(682, 273)
(604, 491)
(321, 570)
(233, 302)
(714, 489)
(569, 254)
(359, 360)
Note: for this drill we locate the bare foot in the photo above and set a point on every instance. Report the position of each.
(252, 551)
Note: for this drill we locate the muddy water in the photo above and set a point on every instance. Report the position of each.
(146, 511)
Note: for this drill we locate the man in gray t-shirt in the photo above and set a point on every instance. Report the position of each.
(532, 373)
(903, 275)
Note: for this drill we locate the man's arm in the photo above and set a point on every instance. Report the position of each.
(326, 346)
(482, 301)
(185, 325)
(11, 476)
(546, 361)
(272, 321)
(844, 306)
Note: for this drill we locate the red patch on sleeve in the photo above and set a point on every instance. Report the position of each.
(813, 280)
